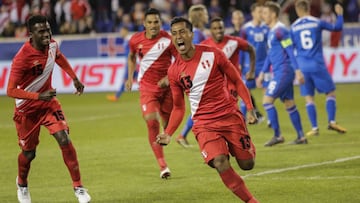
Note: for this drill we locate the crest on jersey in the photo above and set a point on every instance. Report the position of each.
(206, 64)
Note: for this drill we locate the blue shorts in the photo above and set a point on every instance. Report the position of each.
(320, 80)
(282, 88)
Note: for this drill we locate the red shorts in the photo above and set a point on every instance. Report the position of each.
(224, 137)
(157, 102)
(28, 125)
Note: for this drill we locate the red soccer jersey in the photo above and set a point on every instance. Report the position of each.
(154, 58)
(202, 78)
(32, 70)
(231, 47)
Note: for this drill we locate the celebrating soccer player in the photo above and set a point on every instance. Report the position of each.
(154, 49)
(36, 104)
(306, 35)
(284, 67)
(220, 129)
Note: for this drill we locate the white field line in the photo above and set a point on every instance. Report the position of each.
(314, 178)
(280, 170)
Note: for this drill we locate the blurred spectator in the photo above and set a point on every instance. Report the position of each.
(62, 12)
(331, 39)
(137, 14)
(214, 9)
(80, 9)
(19, 11)
(237, 19)
(4, 17)
(21, 31)
(103, 18)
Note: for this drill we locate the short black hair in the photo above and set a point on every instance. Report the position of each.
(152, 11)
(35, 19)
(216, 19)
(182, 19)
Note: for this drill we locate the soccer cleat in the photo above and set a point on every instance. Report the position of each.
(23, 193)
(183, 141)
(299, 141)
(165, 173)
(274, 141)
(268, 123)
(112, 98)
(82, 195)
(313, 132)
(336, 127)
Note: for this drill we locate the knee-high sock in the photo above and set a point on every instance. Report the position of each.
(153, 130)
(236, 184)
(71, 161)
(273, 117)
(189, 123)
(296, 121)
(331, 108)
(23, 169)
(311, 111)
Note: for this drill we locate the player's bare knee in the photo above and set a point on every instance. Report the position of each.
(221, 163)
(289, 103)
(30, 155)
(246, 164)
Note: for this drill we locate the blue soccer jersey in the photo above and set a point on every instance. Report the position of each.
(306, 35)
(281, 57)
(199, 36)
(256, 35)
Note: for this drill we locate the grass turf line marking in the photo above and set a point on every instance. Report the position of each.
(340, 160)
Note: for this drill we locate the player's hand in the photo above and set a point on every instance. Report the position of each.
(259, 80)
(339, 9)
(163, 139)
(164, 82)
(299, 77)
(128, 84)
(79, 86)
(47, 95)
(250, 75)
(251, 117)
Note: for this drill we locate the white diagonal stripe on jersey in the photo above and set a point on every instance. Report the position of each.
(229, 48)
(41, 79)
(200, 79)
(152, 55)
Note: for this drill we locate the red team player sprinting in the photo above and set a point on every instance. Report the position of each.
(220, 129)
(36, 104)
(154, 50)
(231, 47)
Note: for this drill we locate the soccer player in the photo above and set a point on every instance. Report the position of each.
(306, 35)
(220, 129)
(231, 47)
(255, 33)
(284, 67)
(154, 49)
(36, 104)
(199, 17)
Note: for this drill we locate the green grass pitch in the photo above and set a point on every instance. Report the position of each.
(117, 164)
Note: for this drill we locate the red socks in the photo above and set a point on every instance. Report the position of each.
(23, 169)
(70, 159)
(236, 184)
(153, 130)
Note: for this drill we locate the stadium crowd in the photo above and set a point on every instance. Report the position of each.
(99, 16)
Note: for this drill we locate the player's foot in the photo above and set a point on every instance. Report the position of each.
(183, 141)
(23, 193)
(302, 140)
(260, 117)
(165, 173)
(313, 132)
(112, 98)
(82, 195)
(268, 124)
(274, 141)
(336, 127)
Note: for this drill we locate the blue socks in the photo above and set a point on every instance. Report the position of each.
(331, 108)
(273, 117)
(311, 111)
(187, 127)
(296, 121)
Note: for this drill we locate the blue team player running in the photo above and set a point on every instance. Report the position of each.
(284, 67)
(306, 35)
(255, 32)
